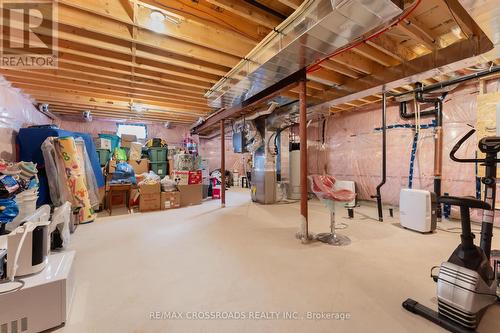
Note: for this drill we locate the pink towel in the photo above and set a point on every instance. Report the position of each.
(323, 187)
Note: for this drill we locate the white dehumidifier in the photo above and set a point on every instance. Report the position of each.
(417, 210)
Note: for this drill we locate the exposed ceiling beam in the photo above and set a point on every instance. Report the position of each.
(294, 4)
(108, 92)
(327, 77)
(396, 77)
(275, 90)
(416, 32)
(248, 12)
(89, 16)
(70, 94)
(77, 115)
(18, 76)
(375, 55)
(207, 14)
(356, 62)
(341, 69)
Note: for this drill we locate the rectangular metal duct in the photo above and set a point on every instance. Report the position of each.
(317, 28)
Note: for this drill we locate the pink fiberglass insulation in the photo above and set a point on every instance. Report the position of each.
(173, 135)
(352, 150)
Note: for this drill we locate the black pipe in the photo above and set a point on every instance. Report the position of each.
(403, 112)
(438, 116)
(440, 85)
(437, 113)
(384, 159)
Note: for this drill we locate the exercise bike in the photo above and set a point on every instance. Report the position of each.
(467, 283)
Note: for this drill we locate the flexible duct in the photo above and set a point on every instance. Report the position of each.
(272, 106)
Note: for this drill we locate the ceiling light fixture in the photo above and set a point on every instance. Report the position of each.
(157, 16)
(138, 108)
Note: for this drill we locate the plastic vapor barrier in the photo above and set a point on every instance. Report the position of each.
(16, 111)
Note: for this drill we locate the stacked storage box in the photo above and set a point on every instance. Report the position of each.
(127, 140)
(150, 197)
(188, 178)
(103, 148)
(158, 160)
(104, 156)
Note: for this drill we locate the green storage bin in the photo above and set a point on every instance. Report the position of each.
(160, 168)
(157, 154)
(104, 156)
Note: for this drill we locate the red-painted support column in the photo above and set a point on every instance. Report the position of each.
(222, 165)
(303, 160)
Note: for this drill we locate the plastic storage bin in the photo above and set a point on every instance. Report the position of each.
(160, 168)
(115, 140)
(157, 154)
(104, 155)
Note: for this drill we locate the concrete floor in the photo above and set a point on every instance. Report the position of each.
(245, 258)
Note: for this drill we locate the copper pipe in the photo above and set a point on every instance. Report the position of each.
(303, 158)
(222, 165)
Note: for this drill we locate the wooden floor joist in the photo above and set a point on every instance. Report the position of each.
(111, 55)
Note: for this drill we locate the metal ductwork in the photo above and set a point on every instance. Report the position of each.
(317, 28)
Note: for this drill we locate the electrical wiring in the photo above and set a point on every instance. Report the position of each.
(316, 65)
(278, 132)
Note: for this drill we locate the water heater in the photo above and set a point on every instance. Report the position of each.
(294, 171)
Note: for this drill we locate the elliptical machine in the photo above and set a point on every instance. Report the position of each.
(466, 283)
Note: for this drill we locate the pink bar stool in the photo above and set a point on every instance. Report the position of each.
(324, 188)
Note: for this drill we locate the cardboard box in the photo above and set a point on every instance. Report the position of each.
(101, 143)
(150, 188)
(111, 166)
(129, 137)
(190, 194)
(170, 200)
(150, 197)
(126, 140)
(149, 202)
(195, 177)
(181, 177)
(102, 197)
(140, 166)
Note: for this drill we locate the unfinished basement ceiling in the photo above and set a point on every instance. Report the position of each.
(112, 59)
(112, 56)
